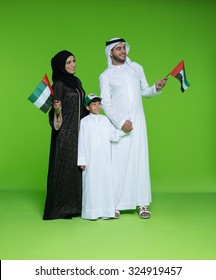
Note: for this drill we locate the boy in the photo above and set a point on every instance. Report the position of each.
(94, 158)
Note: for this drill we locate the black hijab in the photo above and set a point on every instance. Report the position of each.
(59, 72)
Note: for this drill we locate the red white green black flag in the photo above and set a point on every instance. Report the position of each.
(179, 73)
(42, 95)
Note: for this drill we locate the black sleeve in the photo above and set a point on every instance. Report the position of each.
(58, 95)
(58, 91)
(83, 111)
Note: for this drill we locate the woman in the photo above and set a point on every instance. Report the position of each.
(64, 183)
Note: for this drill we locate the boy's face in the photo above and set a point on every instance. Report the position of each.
(94, 107)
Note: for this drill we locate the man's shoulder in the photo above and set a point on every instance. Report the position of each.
(112, 70)
(105, 72)
(136, 65)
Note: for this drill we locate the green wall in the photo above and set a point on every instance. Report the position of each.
(181, 127)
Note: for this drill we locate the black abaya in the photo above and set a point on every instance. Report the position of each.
(64, 182)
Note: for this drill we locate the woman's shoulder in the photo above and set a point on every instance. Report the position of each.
(58, 89)
(79, 81)
(57, 84)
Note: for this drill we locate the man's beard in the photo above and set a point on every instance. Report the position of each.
(118, 59)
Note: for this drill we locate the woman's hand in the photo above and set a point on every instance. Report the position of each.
(57, 106)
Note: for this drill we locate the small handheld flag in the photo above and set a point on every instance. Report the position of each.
(179, 73)
(42, 95)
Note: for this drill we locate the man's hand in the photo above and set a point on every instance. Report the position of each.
(161, 83)
(127, 126)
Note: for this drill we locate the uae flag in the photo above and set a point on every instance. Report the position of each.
(179, 73)
(42, 95)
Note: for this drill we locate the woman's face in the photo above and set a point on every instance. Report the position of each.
(70, 65)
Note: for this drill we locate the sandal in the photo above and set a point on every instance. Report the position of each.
(144, 212)
(117, 214)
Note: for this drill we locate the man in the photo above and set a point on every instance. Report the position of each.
(122, 85)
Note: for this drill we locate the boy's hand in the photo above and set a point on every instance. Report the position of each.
(82, 167)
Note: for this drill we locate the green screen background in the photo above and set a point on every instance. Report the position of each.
(181, 127)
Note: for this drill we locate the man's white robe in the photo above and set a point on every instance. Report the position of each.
(121, 89)
(94, 151)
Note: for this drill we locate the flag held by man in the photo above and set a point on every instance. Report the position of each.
(179, 73)
(42, 95)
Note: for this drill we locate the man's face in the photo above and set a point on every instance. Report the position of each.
(118, 54)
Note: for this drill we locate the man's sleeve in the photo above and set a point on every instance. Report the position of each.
(146, 90)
